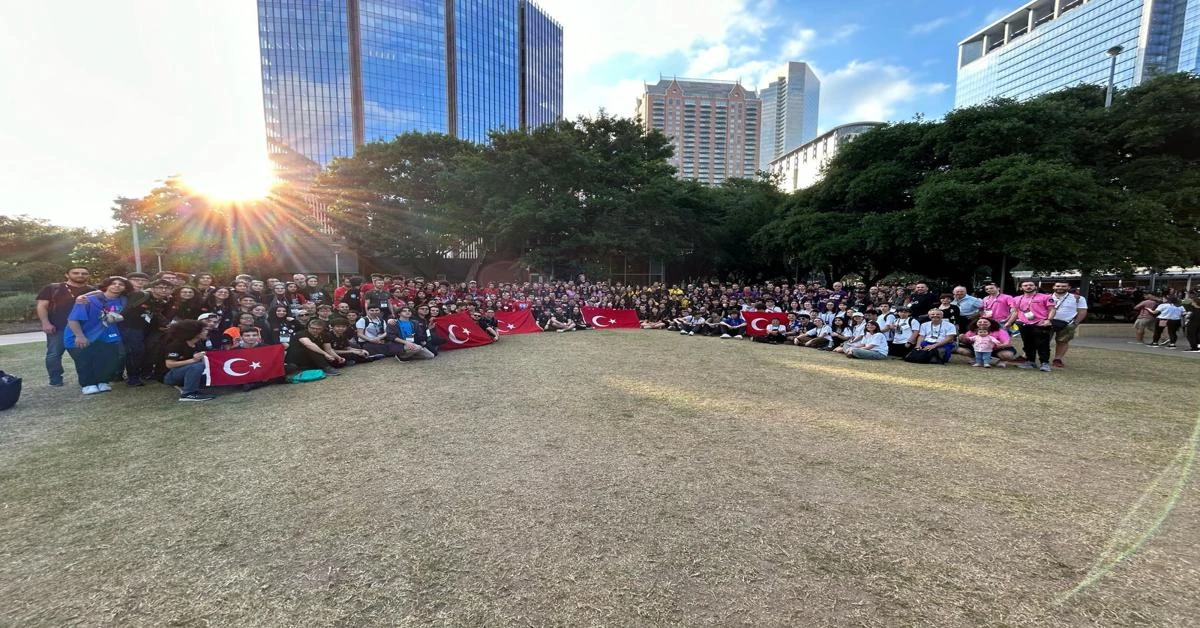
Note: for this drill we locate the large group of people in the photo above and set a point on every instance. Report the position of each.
(138, 328)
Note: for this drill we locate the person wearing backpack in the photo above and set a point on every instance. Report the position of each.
(54, 304)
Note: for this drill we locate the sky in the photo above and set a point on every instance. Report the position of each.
(103, 99)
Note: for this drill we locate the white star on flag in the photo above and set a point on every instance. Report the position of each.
(511, 326)
(612, 321)
(255, 365)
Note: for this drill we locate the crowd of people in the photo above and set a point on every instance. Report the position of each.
(140, 328)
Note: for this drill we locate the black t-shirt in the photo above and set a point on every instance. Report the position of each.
(61, 296)
(295, 347)
(178, 351)
(353, 298)
(486, 323)
(342, 342)
(922, 303)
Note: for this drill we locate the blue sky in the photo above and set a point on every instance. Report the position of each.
(122, 93)
(877, 59)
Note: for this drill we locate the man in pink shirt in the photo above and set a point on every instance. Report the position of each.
(998, 306)
(1033, 313)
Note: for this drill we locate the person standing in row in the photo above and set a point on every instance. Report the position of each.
(1069, 311)
(93, 337)
(1034, 310)
(54, 304)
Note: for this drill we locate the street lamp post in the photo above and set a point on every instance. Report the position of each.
(160, 251)
(1112, 74)
(137, 247)
(337, 265)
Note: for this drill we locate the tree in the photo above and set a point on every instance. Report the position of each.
(389, 200)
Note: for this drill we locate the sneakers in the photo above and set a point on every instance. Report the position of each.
(90, 390)
(739, 336)
(977, 365)
(134, 381)
(1045, 368)
(1026, 365)
(329, 370)
(104, 387)
(692, 333)
(196, 396)
(1171, 346)
(57, 383)
(726, 336)
(987, 366)
(682, 333)
(1058, 364)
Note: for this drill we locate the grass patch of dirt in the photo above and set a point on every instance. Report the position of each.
(610, 478)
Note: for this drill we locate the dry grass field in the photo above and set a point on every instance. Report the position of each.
(612, 478)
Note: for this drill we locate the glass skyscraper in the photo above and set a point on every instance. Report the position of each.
(790, 107)
(1047, 45)
(338, 73)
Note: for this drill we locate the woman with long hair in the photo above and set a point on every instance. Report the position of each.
(186, 304)
(221, 303)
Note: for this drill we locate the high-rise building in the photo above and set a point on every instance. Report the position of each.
(713, 125)
(338, 73)
(1046, 45)
(790, 107)
(805, 165)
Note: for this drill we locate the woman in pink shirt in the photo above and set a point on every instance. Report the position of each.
(1002, 350)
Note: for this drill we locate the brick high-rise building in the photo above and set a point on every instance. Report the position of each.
(714, 126)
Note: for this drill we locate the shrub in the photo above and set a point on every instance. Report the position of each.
(18, 307)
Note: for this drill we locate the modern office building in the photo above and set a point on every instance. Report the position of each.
(805, 165)
(339, 73)
(1046, 45)
(790, 106)
(713, 125)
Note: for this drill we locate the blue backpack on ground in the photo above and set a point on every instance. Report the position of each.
(10, 390)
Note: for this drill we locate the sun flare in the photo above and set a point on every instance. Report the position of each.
(232, 181)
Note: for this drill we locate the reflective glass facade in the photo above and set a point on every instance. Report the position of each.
(543, 67)
(488, 57)
(1047, 45)
(306, 77)
(337, 73)
(403, 67)
(791, 118)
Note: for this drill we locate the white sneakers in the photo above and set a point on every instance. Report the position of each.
(91, 390)
(726, 336)
(104, 387)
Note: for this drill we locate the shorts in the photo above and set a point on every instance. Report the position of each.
(1144, 324)
(1066, 334)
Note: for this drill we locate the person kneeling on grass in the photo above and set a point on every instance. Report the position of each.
(873, 345)
(338, 340)
(307, 351)
(183, 361)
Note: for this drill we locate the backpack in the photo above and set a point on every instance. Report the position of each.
(923, 356)
(10, 390)
(311, 375)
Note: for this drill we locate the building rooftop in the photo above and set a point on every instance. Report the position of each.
(695, 87)
(1017, 23)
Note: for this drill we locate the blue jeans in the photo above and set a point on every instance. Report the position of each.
(97, 363)
(54, 354)
(983, 357)
(867, 354)
(190, 377)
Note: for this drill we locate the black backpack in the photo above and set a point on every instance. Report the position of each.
(10, 390)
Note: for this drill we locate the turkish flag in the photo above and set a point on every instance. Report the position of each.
(460, 331)
(516, 323)
(607, 317)
(756, 322)
(243, 366)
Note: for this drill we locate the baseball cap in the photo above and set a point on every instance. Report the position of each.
(205, 316)
(858, 315)
(138, 276)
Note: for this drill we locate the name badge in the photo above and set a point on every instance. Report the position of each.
(987, 313)
(410, 339)
(1028, 315)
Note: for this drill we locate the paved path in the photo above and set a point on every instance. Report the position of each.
(20, 339)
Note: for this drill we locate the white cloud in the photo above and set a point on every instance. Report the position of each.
(707, 32)
(870, 90)
(924, 28)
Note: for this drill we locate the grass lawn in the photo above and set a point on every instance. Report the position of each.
(612, 478)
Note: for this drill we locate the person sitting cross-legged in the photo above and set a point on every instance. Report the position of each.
(820, 336)
(407, 337)
(733, 325)
(183, 359)
(938, 335)
(872, 345)
(307, 350)
(559, 321)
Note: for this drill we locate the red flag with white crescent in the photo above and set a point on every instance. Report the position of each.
(756, 322)
(243, 366)
(519, 322)
(610, 318)
(460, 331)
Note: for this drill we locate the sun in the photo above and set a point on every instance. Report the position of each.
(232, 181)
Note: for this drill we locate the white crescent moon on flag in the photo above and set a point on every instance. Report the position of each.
(754, 324)
(229, 368)
(455, 340)
(595, 324)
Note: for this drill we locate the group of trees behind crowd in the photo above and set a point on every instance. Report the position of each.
(1054, 183)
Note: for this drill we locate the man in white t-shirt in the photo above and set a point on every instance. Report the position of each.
(937, 334)
(1069, 311)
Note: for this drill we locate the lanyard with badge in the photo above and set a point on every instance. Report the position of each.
(1026, 306)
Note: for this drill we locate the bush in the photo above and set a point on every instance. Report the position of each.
(18, 307)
